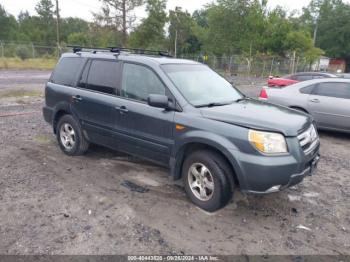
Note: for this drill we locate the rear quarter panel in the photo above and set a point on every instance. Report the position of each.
(289, 97)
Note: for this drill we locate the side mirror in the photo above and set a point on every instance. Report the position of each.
(159, 101)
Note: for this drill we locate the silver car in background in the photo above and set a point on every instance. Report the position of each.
(327, 100)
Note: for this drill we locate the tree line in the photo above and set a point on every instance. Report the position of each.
(224, 27)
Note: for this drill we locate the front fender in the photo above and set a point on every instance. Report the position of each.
(220, 143)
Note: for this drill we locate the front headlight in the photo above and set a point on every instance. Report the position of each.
(267, 142)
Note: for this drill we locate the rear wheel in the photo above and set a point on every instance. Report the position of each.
(70, 137)
(208, 180)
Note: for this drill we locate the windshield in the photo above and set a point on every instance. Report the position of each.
(201, 86)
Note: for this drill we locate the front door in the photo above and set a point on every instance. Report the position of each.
(144, 130)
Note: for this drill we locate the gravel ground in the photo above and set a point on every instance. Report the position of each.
(54, 204)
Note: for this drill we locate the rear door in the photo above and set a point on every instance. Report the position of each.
(144, 130)
(96, 98)
(329, 104)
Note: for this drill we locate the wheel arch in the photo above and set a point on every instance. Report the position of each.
(195, 145)
(299, 108)
(60, 110)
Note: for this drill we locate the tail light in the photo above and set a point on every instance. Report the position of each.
(263, 94)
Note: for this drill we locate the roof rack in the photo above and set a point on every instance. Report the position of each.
(118, 50)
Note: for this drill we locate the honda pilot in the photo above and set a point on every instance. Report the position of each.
(182, 115)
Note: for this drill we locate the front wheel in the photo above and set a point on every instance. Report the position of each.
(208, 180)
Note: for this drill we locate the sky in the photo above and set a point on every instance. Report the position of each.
(83, 8)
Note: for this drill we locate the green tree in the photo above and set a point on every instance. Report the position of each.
(334, 29)
(81, 39)
(150, 34)
(71, 26)
(276, 30)
(46, 22)
(8, 25)
(181, 31)
(119, 14)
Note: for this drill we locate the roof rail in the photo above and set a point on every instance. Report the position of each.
(119, 50)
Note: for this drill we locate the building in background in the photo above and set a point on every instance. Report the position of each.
(337, 65)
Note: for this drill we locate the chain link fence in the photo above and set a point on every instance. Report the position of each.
(255, 66)
(25, 50)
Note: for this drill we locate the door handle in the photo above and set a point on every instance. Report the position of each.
(315, 100)
(122, 109)
(77, 98)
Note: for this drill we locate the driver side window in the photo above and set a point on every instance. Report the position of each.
(139, 82)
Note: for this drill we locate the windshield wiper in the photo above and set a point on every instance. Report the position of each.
(244, 98)
(214, 104)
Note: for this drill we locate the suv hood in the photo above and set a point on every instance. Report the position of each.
(259, 115)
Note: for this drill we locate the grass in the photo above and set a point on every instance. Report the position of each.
(42, 139)
(20, 93)
(32, 63)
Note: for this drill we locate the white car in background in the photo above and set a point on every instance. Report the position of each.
(327, 100)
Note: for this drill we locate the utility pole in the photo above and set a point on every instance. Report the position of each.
(124, 29)
(58, 27)
(315, 32)
(176, 43)
(176, 33)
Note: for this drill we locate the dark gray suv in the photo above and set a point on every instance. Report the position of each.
(182, 115)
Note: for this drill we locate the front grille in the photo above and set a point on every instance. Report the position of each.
(309, 139)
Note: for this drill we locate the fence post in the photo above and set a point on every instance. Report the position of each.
(272, 63)
(296, 65)
(2, 49)
(33, 50)
(58, 51)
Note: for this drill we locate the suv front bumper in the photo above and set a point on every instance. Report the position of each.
(263, 175)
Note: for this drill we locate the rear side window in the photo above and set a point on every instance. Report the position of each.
(139, 82)
(103, 76)
(66, 71)
(319, 76)
(339, 90)
(303, 77)
(307, 89)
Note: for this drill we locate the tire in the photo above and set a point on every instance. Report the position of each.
(70, 136)
(216, 187)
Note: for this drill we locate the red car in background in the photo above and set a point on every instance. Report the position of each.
(295, 78)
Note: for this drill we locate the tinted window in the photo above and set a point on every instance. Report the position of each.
(66, 71)
(139, 82)
(83, 79)
(103, 76)
(307, 89)
(339, 90)
(303, 77)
